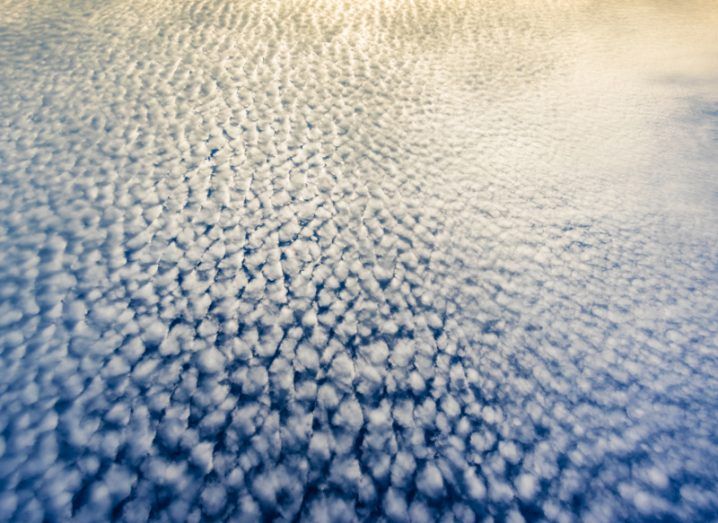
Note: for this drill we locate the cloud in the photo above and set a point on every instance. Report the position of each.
(369, 260)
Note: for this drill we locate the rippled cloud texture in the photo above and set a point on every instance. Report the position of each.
(386, 260)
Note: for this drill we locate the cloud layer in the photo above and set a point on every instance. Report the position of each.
(400, 261)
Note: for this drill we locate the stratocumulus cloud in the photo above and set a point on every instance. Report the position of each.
(361, 260)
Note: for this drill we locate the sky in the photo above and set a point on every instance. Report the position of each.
(379, 260)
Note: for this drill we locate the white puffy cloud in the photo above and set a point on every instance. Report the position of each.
(414, 261)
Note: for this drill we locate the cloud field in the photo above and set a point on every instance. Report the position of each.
(382, 260)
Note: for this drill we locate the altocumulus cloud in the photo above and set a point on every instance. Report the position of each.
(363, 260)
